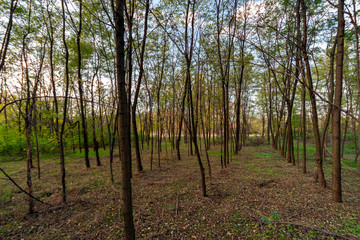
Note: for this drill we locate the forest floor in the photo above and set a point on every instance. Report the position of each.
(258, 196)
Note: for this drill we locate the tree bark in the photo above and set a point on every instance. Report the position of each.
(124, 128)
(133, 108)
(81, 91)
(95, 141)
(319, 156)
(5, 43)
(336, 118)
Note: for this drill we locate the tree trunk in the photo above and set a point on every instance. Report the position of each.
(36, 143)
(336, 118)
(319, 156)
(303, 111)
(141, 71)
(124, 128)
(62, 130)
(5, 43)
(28, 163)
(95, 142)
(81, 91)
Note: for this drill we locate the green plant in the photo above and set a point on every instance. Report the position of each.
(270, 221)
(351, 226)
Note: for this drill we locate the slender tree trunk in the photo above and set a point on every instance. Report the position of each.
(238, 102)
(29, 111)
(336, 118)
(28, 163)
(112, 140)
(181, 120)
(95, 142)
(158, 114)
(150, 128)
(188, 57)
(135, 131)
(36, 143)
(28, 119)
(6, 41)
(330, 98)
(124, 128)
(111, 152)
(357, 33)
(81, 91)
(206, 151)
(319, 156)
(344, 138)
(62, 130)
(101, 115)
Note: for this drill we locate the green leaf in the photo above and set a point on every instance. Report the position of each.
(275, 214)
(266, 220)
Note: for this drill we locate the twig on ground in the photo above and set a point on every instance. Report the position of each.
(22, 188)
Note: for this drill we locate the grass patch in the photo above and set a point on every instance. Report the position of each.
(250, 165)
(273, 173)
(168, 203)
(352, 164)
(309, 148)
(92, 153)
(268, 172)
(263, 155)
(6, 194)
(351, 226)
(215, 152)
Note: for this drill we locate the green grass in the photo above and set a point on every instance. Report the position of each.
(81, 154)
(165, 144)
(273, 173)
(351, 226)
(5, 194)
(250, 165)
(263, 155)
(262, 165)
(309, 148)
(215, 153)
(352, 164)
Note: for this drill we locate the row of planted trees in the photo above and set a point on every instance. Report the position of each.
(101, 74)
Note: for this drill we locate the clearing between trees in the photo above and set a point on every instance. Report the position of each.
(258, 196)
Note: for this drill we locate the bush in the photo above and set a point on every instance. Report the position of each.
(255, 141)
(11, 141)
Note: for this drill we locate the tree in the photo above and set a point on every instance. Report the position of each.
(315, 121)
(336, 116)
(124, 127)
(136, 95)
(6, 40)
(80, 86)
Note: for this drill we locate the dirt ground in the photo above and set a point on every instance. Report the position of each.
(258, 196)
